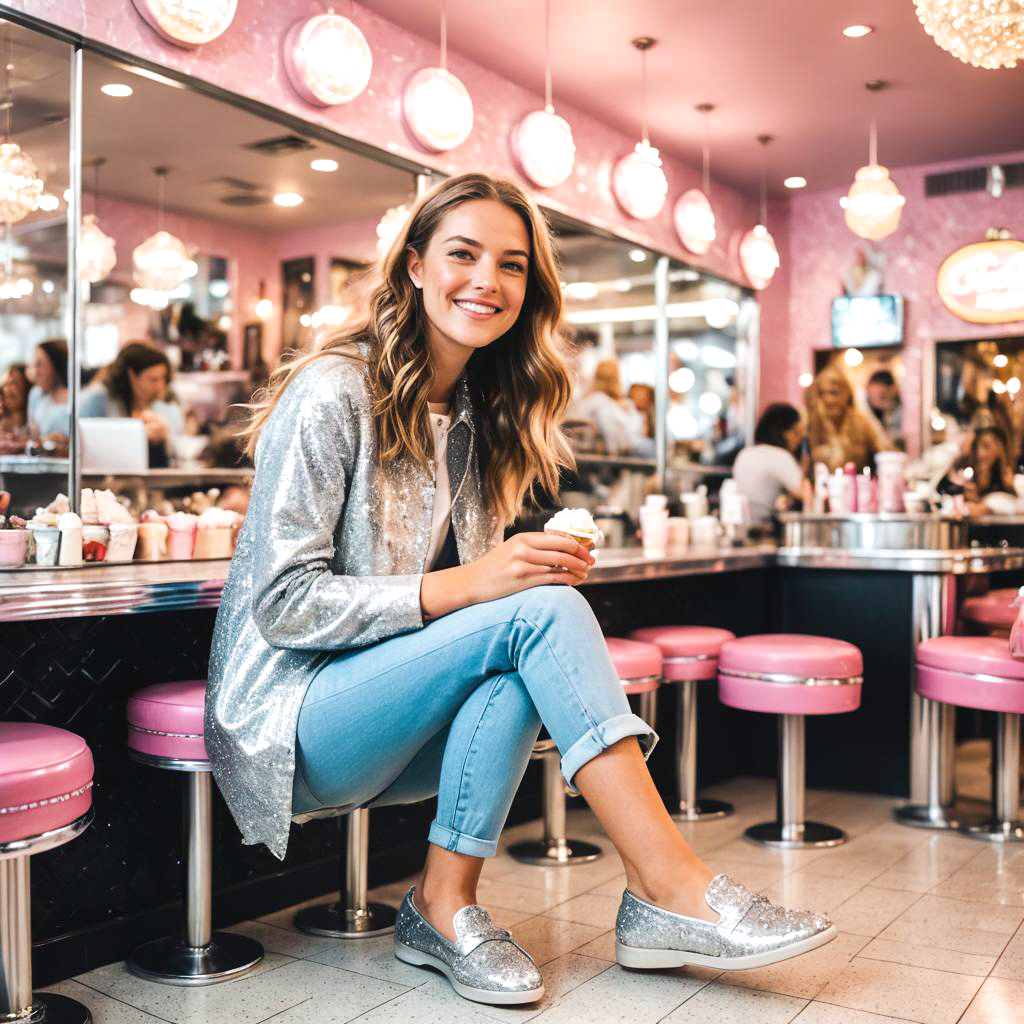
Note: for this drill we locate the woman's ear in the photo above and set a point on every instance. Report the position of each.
(414, 267)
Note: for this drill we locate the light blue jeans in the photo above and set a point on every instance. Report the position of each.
(454, 710)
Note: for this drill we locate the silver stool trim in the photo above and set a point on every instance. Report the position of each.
(783, 677)
(647, 683)
(171, 764)
(790, 831)
(353, 916)
(17, 1000)
(200, 956)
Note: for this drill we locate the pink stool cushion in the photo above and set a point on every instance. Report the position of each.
(42, 765)
(992, 609)
(634, 660)
(166, 720)
(686, 642)
(946, 667)
(789, 654)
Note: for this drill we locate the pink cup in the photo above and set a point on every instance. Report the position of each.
(181, 543)
(13, 547)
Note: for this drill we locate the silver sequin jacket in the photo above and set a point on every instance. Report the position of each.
(330, 557)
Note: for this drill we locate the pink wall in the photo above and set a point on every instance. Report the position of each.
(247, 60)
(816, 248)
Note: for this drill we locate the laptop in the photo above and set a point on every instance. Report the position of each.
(113, 445)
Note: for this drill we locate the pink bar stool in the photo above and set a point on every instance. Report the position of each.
(978, 672)
(165, 730)
(45, 801)
(639, 669)
(793, 676)
(993, 612)
(689, 656)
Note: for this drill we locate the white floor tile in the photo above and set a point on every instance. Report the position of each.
(1000, 1001)
(103, 1008)
(828, 1013)
(870, 910)
(599, 911)
(547, 938)
(928, 956)
(959, 925)
(725, 1004)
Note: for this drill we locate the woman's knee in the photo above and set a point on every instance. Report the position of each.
(555, 601)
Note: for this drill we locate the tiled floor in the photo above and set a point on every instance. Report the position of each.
(930, 931)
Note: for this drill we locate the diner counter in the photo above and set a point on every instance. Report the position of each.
(138, 587)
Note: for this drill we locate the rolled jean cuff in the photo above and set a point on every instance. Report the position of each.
(602, 736)
(459, 842)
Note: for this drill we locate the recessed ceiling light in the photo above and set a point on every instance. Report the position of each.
(1000, 360)
(857, 31)
(795, 182)
(637, 255)
(116, 89)
(288, 199)
(324, 165)
(581, 290)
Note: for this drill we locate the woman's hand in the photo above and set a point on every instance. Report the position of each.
(156, 428)
(523, 561)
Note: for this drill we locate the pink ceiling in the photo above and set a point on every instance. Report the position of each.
(781, 67)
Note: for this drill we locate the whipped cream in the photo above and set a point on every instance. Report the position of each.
(219, 518)
(182, 521)
(69, 521)
(577, 522)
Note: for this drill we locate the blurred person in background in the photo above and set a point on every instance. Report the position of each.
(136, 384)
(768, 470)
(988, 470)
(883, 401)
(619, 424)
(837, 430)
(47, 407)
(642, 397)
(14, 389)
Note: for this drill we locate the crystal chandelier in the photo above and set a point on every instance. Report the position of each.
(542, 141)
(188, 22)
(985, 33)
(161, 261)
(759, 256)
(20, 187)
(638, 181)
(327, 59)
(390, 225)
(693, 216)
(873, 205)
(437, 107)
(97, 252)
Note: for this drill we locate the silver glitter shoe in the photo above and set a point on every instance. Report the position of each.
(485, 965)
(751, 931)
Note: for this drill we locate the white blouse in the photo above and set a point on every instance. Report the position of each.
(440, 423)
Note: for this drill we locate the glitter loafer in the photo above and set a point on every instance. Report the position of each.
(751, 931)
(484, 965)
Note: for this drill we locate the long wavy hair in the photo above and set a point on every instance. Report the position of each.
(520, 383)
(854, 438)
(136, 356)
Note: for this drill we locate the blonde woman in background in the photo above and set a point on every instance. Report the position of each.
(618, 420)
(837, 430)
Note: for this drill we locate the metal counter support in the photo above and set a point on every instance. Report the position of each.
(932, 732)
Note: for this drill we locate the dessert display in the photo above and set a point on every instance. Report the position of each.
(106, 530)
(578, 524)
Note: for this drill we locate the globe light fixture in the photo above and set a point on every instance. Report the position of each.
(873, 206)
(327, 59)
(20, 186)
(638, 181)
(188, 22)
(97, 251)
(542, 142)
(693, 216)
(759, 257)
(436, 106)
(161, 261)
(984, 33)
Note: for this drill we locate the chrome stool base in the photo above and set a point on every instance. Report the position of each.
(563, 853)
(702, 809)
(925, 816)
(170, 961)
(995, 831)
(51, 1008)
(809, 835)
(335, 922)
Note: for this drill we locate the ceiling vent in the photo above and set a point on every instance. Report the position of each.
(246, 199)
(972, 179)
(238, 184)
(280, 145)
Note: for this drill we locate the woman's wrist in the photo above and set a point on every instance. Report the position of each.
(446, 590)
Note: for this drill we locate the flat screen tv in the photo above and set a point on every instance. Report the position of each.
(867, 321)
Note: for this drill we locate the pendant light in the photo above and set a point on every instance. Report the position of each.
(436, 106)
(97, 251)
(327, 59)
(161, 261)
(693, 216)
(389, 226)
(873, 205)
(984, 33)
(638, 181)
(14, 285)
(188, 22)
(759, 257)
(20, 185)
(542, 141)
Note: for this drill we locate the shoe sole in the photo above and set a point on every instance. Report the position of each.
(418, 958)
(652, 959)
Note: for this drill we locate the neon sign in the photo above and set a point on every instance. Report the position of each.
(984, 282)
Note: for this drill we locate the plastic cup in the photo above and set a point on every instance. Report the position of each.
(95, 542)
(215, 542)
(13, 548)
(47, 540)
(678, 535)
(152, 542)
(123, 537)
(654, 531)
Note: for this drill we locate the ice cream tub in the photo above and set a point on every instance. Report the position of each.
(95, 542)
(216, 533)
(47, 541)
(182, 540)
(152, 546)
(13, 548)
(123, 537)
